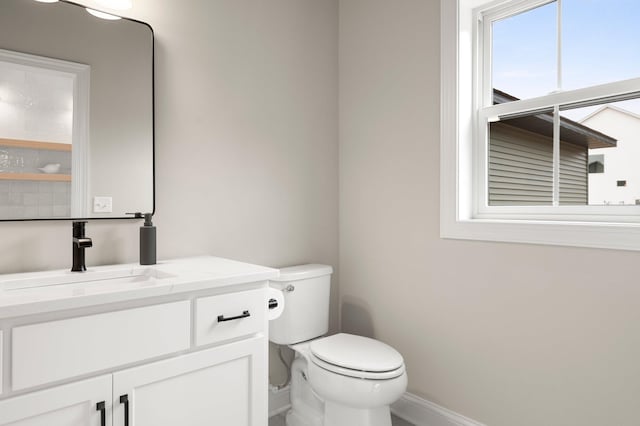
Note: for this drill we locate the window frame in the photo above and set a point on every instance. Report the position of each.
(464, 213)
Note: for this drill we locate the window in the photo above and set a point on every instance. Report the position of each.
(596, 163)
(535, 94)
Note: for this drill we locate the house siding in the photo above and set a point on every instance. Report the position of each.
(521, 169)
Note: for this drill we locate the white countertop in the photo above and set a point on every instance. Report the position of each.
(38, 292)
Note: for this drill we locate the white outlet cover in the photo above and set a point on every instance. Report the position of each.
(102, 204)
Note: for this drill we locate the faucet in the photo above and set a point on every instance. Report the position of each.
(80, 242)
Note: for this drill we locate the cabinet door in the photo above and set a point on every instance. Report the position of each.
(226, 386)
(84, 403)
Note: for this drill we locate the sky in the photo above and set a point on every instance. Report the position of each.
(600, 44)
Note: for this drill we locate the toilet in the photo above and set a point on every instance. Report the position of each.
(338, 380)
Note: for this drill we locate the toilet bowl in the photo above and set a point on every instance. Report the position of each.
(354, 377)
(338, 380)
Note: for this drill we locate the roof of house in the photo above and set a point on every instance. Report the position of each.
(542, 123)
(612, 108)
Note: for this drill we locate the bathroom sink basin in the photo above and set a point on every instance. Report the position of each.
(139, 275)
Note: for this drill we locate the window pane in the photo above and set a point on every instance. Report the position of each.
(521, 161)
(609, 140)
(599, 42)
(524, 53)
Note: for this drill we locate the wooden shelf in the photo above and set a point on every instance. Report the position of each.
(36, 176)
(50, 146)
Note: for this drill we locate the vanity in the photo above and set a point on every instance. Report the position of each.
(183, 342)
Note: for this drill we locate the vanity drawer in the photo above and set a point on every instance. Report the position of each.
(228, 316)
(46, 352)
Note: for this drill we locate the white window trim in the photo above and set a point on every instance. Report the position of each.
(457, 217)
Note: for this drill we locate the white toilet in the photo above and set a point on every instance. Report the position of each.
(339, 380)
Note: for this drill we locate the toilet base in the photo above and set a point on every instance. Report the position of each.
(340, 415)
(306, 408)
(294, 418)
(362, 402)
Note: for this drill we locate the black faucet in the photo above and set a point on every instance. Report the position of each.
(80, 242)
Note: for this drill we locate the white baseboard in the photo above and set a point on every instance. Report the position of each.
(421, 412)
(409, 407)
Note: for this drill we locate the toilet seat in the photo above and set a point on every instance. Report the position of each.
(357, 356)
(359, 374)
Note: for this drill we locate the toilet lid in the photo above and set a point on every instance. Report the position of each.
(356, 353)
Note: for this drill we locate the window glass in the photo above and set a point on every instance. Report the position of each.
(596, 163)
(574, 163)
(610, 135)
(524, 53)
(599, 42)
(520, 167)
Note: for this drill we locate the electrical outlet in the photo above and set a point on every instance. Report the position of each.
(102, 204)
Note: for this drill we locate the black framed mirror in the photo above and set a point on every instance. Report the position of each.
(76, 113)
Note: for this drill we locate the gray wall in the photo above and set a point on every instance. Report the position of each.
(246, 141)
(506, 334)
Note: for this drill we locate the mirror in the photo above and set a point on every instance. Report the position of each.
(76, 113)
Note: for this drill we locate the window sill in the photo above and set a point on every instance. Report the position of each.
(594, 235)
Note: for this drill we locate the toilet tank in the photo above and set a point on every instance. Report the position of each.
(306, 291)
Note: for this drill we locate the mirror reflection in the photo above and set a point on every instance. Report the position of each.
(76, 113)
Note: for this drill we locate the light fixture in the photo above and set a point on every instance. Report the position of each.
(102, 15)
(47, 1)
(116, 4)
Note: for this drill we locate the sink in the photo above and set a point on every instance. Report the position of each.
(138, 275)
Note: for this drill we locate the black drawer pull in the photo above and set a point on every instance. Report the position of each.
(100, 406)
(245, 314)
(124, 399)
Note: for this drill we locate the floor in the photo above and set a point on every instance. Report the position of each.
(279, 421)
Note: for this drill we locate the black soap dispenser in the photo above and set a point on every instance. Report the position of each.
(147, 241)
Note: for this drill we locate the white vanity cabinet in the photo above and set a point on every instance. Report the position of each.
(218, 386)
(82, 403)
(193, 354)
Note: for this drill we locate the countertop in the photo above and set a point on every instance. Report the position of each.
(38, 292)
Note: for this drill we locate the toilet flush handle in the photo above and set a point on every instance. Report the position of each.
(289, 288)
